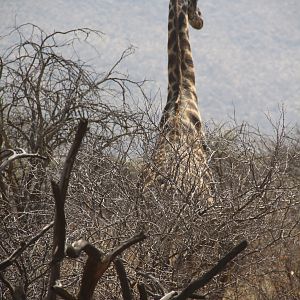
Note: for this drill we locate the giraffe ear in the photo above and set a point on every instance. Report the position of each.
(195, 19)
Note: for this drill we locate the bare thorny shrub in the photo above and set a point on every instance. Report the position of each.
(259, 195)
(44, 94)
(257, 199)
(45, 90)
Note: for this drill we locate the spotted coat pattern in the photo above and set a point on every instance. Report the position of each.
(179, 157)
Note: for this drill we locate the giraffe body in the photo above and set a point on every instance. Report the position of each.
(177, 180)
(179, 158)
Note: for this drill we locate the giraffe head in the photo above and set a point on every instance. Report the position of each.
(194, 14)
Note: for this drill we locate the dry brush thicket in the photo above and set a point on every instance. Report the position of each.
(45, 92)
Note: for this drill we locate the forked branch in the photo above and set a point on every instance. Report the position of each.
(97, 263)
(9, 155)
(60, 193)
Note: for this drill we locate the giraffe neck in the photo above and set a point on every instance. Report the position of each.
(182, 104)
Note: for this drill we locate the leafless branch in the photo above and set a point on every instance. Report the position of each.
(97, 262)
(24, 245)
(142, 291)
(169, 296)
(60, 192)
(63, 293)
(126, 290)
(201, 282)
(9, 155)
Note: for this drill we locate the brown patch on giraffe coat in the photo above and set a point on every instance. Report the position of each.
(171, 95)
(188, 60)
(171, 14)
(172, 78)
(172, 59)
(172, 39)
(182, 20)
(185, 44)
(189, 77)
(187, 65)
(194, 118)
(194, 95)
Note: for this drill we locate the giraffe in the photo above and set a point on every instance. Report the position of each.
(176, 181)
(179, 156)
